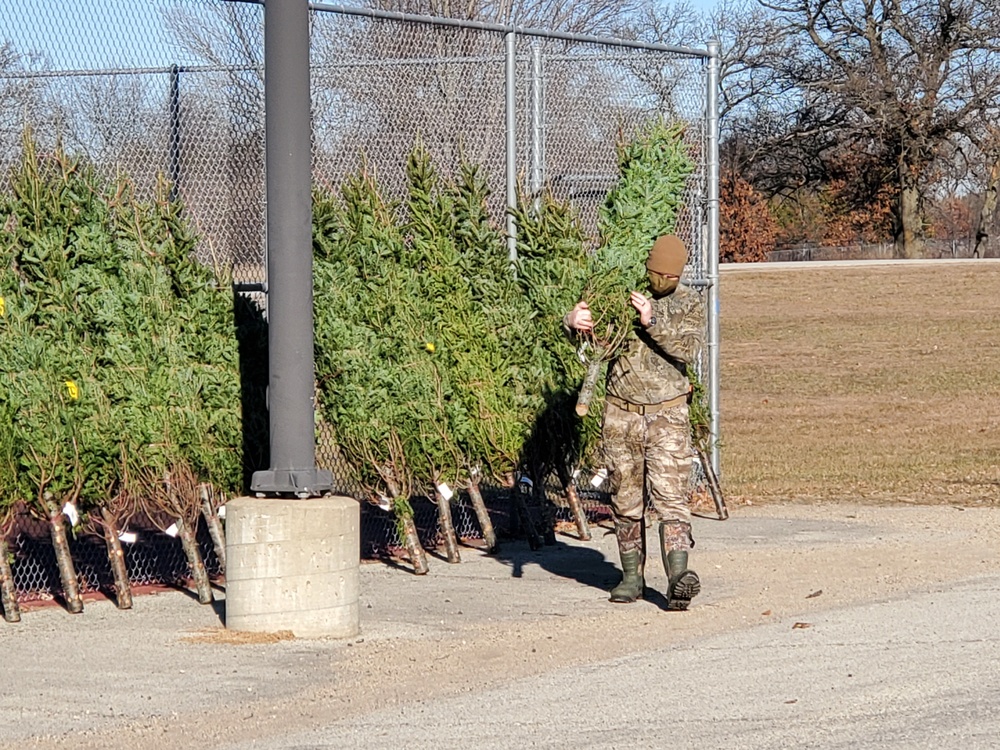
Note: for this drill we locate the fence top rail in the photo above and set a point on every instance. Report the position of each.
(504, 29)
(119, 71)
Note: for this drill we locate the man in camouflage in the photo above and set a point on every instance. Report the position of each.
(646, 434)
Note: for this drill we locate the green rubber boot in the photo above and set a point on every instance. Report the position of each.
(630, 589)
(631, 540)
(683, 584)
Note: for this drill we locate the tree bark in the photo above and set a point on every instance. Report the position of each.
(8, 594)
(988, 211)
(586, 394)
(485, 523)
(447, 528)
(64, 560)
(712, 480)
(909, 235)
(573, 499)
(190, 544)
(116, 558)
(418, 556)
(215, 529)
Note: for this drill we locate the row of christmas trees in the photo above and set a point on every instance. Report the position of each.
(440, 365)
(120, 383)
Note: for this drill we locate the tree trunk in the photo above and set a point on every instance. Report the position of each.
(712, 480)
(8, 594)
(190, 543)
(485, 523)
(548, 510)
(586, 394)
(523, 517)
(910, 231)
(215, 529)
(116, 557)
(988, 211)
(447, 528)
(64, 560)
(418, 557)
(573, 499)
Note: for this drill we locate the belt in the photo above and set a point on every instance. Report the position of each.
(645, 408)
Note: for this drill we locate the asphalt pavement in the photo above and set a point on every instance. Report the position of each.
(922, 672)
(827, 626)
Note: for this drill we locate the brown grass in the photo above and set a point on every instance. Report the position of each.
(879, 383)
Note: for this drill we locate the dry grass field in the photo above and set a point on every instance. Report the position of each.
(877, 383)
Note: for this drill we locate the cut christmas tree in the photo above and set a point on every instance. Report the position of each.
(644, 205)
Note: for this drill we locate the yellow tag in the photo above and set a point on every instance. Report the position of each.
(429, 347)
(73, 390)
(3, 307)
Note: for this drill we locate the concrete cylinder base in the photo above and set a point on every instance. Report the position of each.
(293, 565)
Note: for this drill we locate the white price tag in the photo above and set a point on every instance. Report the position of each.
(69, 510)
(576, 473)
(445, 491)
(171, 530)
(599, 478)
(129, 537)
(384, 502)
(222, 512)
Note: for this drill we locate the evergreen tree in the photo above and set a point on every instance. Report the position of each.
(119, 356)
(643, 205)
(552, 269)
(371, 348)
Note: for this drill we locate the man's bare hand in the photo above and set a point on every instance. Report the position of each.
(579, 318)
(645, 308)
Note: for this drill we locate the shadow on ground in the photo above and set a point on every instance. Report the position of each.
(585, 565)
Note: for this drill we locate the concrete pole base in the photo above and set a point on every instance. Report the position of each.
(293, 565)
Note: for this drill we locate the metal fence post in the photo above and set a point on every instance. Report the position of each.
(537, 127)
(712, 184)
(288, 160)
(511, 124)
(174, 156)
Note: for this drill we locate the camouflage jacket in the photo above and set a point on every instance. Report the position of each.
(652, 368)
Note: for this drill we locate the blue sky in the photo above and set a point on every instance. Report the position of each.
(706, 6)
(130, 33)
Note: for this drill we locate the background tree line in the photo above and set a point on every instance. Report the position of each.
(859, 121)
(843, 122)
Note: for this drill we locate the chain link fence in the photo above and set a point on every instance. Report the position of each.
(152, 558)
(175, 88)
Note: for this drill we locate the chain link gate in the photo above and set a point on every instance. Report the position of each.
(175, 87)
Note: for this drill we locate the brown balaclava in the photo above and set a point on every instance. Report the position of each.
(666, 258)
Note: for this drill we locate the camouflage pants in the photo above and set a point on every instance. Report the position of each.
(648, 457)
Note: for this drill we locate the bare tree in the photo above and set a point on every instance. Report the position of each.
(897, 77)
(225, 37)
(582, 17)
(987, 169)
(21, 100)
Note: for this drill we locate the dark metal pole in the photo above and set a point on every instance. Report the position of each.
(174, 155)
(291, 405)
